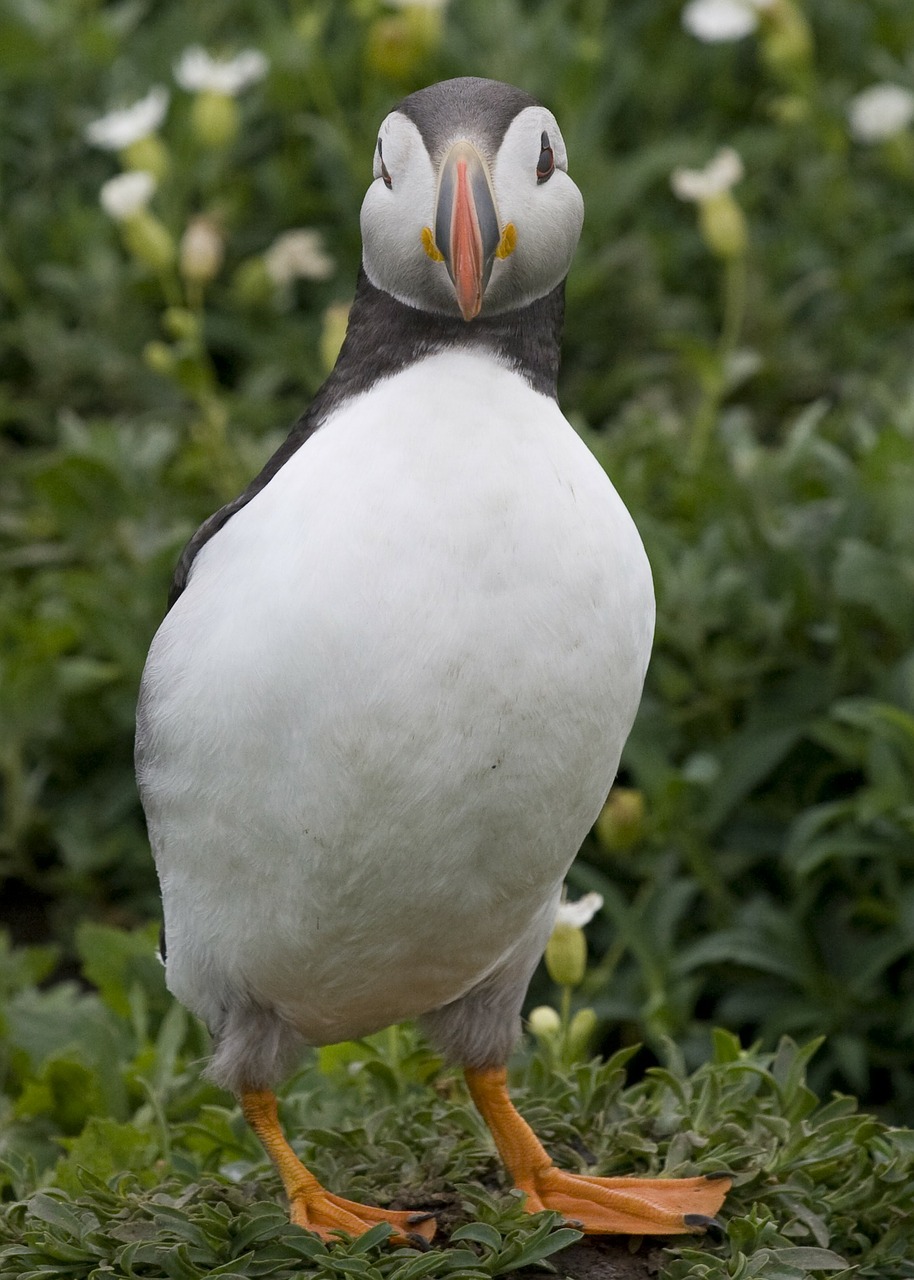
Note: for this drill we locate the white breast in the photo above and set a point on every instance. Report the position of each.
(390, 703)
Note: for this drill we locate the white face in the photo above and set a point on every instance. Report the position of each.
(546, 213)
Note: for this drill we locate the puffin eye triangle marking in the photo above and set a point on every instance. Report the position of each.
(545, 166)
(385, 176)
(428, 244)
(508, 242)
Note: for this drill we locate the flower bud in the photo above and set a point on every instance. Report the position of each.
(566, 955)
(201, 251)
(309, 27)
(426, 25)
(723, 225)
(388, 49)
(544, 1022)
(180, 323)
(149, 154)
(621, 824)
(786, 38)
(159, 357)
(580, 1034)
(148, 240)
(399, 44)
(215, 118)
(789, 109)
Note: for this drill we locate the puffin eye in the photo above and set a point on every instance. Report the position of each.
(385, 176)
(545, 166)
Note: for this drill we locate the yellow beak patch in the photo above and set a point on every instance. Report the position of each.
(508, 242)
(428, 244)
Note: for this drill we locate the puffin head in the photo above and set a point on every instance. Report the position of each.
(471, 211)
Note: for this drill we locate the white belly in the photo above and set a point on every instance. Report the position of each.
(390, 703)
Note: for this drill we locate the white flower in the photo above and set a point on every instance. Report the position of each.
(718, 176)
(127, 194)
(579, 913)
(119, 129)
(417, 4)
(197, 72)
(718, 20)
(880, 112)
(298, 255)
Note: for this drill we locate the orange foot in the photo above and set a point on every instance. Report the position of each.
(628, 1206)
(325, 1214)
(601, 1206)
(310, 1205)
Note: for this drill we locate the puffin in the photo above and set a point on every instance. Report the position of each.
(389, 696)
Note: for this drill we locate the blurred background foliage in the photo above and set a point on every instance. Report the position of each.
(753, 401)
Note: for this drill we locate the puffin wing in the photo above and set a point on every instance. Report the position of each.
(302, 431)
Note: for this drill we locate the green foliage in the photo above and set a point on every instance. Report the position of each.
(772, 883)
(755, 410)
(159, 1177)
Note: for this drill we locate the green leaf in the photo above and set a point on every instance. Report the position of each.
(810, 1259)
(727, 1047)
(867, 575)
(52, 1209)
(750, 757)
(236, 1269)
(479, 1233)
(371, 1239)
(536, 1251)
(105, 1147)
(114, 960)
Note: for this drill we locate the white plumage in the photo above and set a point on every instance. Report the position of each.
(390, 704)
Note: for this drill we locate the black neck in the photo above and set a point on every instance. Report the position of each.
(385, 335)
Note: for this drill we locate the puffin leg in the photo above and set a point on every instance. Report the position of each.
(310, 1205)
(602, 1206)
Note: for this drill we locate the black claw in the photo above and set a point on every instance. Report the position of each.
(705, 1222)
(415, 1218)
(717, 1175)
(418, 1242)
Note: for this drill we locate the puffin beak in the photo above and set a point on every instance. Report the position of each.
(467, 231)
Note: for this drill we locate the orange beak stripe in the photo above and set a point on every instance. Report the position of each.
(466, 251)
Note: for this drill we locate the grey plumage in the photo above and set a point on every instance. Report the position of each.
(253, 1047)
(484, 107)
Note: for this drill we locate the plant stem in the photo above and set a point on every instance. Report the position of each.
(715, 386)
(734, 306)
